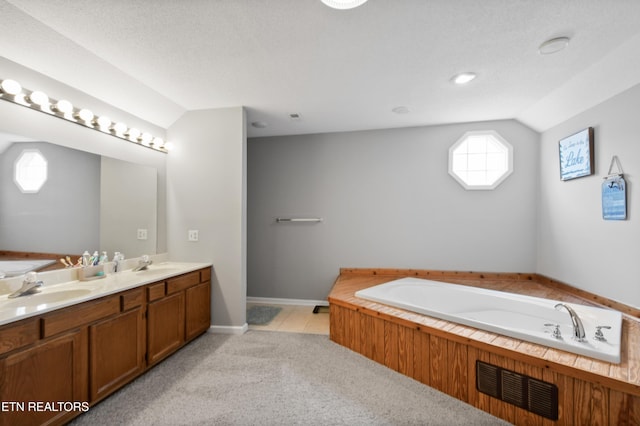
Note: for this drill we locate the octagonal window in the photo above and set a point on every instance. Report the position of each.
(480, 160)
(30, 170)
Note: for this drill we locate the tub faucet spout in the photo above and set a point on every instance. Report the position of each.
(578, 328)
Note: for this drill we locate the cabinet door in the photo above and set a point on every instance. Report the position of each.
(116, 352)
(53, 372)
(198, 309)
(165, 327)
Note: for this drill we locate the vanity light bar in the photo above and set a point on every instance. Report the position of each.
(12, 91)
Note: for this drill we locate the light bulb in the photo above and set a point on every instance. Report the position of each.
(146, 138)
(133, 134)
(39, 98)
(168, 146)
(157, 142)
(11, 87)
(103, 122)
(63, 107)
(119, 129)
(85, 115)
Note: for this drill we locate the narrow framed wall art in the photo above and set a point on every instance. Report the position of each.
(576, 155)
(614, 193)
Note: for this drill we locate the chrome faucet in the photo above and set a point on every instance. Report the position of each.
(143, 263)
(578, 328)
(30, 285)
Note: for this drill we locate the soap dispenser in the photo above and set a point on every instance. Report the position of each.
(118, 259)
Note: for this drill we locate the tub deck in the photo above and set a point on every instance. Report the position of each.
(442, 354)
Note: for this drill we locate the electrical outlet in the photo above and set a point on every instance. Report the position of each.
(142, 234)
(193, 235)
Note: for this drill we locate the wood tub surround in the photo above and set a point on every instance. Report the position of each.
(443, 354)
(85, 352)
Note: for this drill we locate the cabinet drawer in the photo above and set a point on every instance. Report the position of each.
(17, 335)
(78, 315)
(205, 275)
(155, 291)
(132, 299)
(184, 281)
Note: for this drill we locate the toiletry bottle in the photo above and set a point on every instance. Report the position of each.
(118, 258)
(86, 258)
(103, 258)
(94, 258)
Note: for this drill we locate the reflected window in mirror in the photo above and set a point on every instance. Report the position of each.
(30, 171)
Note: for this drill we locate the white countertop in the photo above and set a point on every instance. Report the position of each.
(67, 293)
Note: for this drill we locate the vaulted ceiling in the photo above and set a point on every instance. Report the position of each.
(339, 70)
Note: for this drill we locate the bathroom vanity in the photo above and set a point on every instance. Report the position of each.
(55, 364)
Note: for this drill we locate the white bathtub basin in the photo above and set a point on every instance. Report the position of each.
(509, 314)
(14, 268)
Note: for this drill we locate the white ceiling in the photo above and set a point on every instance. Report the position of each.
(340, 70)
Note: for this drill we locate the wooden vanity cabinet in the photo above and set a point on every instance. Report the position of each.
(53, 370)
(85, 352)
(198, 310)
(178, 310)
(116, 346)
(165, 327)
(48, 363)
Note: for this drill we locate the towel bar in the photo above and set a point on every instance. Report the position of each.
(298, 219)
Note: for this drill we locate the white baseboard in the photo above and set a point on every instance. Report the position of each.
(228, 329)
(276, 301)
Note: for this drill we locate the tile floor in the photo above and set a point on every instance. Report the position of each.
(296, 319)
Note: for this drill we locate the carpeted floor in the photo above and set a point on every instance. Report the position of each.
(272, 378)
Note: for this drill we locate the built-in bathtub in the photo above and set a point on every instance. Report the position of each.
(514, 315)
(13, 268)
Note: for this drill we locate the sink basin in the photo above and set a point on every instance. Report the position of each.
(43, 298)
(159, 270)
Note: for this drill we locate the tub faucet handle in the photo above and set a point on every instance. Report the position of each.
(599, 335)
(556, 331)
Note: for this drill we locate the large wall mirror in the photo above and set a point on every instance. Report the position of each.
(88, 202)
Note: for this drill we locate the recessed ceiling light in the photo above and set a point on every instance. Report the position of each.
(259, 124)
(401, 110)
(553, 45)
(344, 4)
(463, 78)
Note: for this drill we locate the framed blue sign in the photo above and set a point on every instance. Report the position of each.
(576, 155)
(614, 198)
